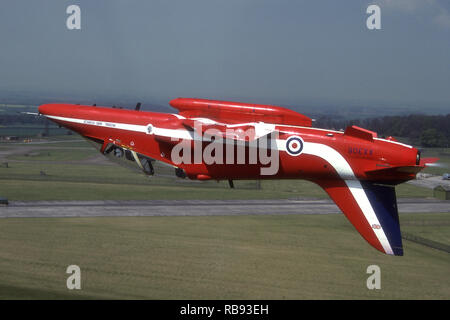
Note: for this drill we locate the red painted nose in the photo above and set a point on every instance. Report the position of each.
(49, 109)
(58, 109)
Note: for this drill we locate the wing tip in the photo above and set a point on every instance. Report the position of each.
(396, 251)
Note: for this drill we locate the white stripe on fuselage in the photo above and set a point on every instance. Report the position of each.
(394, 142)
(322, 151)
(106, 124)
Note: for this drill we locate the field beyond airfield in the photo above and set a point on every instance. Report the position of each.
(270, 256)
(217, 257)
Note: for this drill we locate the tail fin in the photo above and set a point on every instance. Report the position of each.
(372, 209)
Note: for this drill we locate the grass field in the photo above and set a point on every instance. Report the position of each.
(55, 155)
(220, 257)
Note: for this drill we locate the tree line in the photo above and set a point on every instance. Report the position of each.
(21, 119)
(417, 129)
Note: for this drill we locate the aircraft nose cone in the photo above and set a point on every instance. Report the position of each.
(47, 109)
(56, 109)
(177, 103)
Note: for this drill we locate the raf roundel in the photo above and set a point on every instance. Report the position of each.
(294, 145)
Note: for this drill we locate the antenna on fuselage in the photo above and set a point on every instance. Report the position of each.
(138, 106)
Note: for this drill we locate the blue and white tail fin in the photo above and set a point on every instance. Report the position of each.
(372, 209)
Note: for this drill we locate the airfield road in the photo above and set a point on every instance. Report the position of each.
(111, 208)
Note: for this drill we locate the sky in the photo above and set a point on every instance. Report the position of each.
(314, 52)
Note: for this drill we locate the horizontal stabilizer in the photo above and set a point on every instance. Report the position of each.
(388, 171)
(426, 161)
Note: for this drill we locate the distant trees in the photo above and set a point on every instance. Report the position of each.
(433, 138)
(424, 130)
(18, 119)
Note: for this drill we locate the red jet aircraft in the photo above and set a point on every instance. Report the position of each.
(356, 168)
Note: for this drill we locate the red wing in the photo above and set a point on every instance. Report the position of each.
(238, 112)
(242, 132)
(426, 161)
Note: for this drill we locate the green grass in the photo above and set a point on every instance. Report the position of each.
(55, 155)
(406, 190)
(70, 143)
(49, 142)
(59, 190)
(216, 257)
(428, 226)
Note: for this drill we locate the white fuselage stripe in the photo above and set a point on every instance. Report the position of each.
(394, 142)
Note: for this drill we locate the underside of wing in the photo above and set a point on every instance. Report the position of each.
(242, 132)
(132, 159)
(372, 209)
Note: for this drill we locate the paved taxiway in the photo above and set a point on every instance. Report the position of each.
(29, 209)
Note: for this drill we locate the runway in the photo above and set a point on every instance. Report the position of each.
(41, 209)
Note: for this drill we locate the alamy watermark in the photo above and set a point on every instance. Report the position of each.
(73, 21)
(373, 281)
(373, 22)
(235, 145)
(74, 280)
